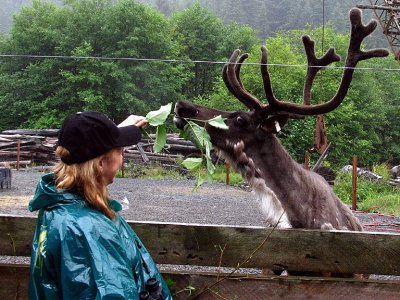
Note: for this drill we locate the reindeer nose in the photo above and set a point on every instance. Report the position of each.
(176, 108)
(185, 109)
(179, 122)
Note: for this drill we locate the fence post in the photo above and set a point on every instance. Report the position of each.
(227, 167)
(18, 153)
(123, 164)
(307, 160)
(354, 181)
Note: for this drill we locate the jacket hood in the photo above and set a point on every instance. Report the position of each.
(47, 196)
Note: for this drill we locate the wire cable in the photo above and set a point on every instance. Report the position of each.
(33, 56)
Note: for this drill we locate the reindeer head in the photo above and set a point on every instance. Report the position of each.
(266, 119)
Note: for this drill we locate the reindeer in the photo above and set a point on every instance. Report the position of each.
(288, 193)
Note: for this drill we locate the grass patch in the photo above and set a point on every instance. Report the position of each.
(155, 171)
(220, 176)
(371, 196)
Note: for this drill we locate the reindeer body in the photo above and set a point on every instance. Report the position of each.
(287, 192)
(307, 199)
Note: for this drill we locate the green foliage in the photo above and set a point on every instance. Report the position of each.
(371, 196)
(40, 92)
(382, 170)
(199, 32)
(153, 171)
(157, 118)
(200, 137)
(219, 175)
(54, 88)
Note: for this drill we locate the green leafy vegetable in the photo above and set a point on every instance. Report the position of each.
(192, 163)
(218, 122)
(192, 132)
(161, 138)
(200, 137)
(158, 117)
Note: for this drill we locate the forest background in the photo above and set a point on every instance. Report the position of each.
(126, 56)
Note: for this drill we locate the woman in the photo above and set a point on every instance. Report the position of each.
(82, 247)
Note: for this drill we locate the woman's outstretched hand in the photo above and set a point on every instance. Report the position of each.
(138, 121)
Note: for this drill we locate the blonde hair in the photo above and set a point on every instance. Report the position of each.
(84, 179)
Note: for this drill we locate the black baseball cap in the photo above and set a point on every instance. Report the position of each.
(89, 134)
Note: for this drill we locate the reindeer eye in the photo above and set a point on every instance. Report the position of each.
(240, 120)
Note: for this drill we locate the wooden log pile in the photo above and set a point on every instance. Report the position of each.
(28, 146)
(37, 147)
(175, 150)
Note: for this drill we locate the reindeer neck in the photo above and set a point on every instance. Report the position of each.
(281, 173)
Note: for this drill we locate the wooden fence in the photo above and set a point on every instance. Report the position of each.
(202, 257)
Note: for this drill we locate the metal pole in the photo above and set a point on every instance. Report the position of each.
(354, 181)
(321, 158)
(382, 7)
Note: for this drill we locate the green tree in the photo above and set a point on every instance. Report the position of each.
(238, 36)
(200, 33)
(42, 91)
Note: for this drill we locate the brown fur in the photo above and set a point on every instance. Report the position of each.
(306, 197)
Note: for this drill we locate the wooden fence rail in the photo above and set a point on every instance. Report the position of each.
(202, 250)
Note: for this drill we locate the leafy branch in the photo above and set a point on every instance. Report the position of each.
(157, 119)
(200, 137)
(193, 132)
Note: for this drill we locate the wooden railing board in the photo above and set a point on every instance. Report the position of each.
(14, 283)
(291, 249)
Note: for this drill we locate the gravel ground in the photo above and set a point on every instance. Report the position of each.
(154, 200)
(174, 201)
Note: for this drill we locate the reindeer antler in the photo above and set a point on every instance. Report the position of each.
(355, 54)
(315, 64)
(230, 75)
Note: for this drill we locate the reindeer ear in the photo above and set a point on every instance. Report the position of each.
(274, 124)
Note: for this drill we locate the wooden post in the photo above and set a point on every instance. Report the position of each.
(123, 164)
(227, 167)
(307, 160)
(354, 181)
(18, 152)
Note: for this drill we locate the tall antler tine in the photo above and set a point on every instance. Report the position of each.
(269, 93)
(308, 47)
(315, 64)
(358, 33)
(242, 58)
(227, 68)
(232, 81)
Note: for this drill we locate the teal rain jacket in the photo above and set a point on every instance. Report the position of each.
(78, 253)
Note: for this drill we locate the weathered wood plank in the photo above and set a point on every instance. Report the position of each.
(14, 285)
(40, 132)
(293, 249)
